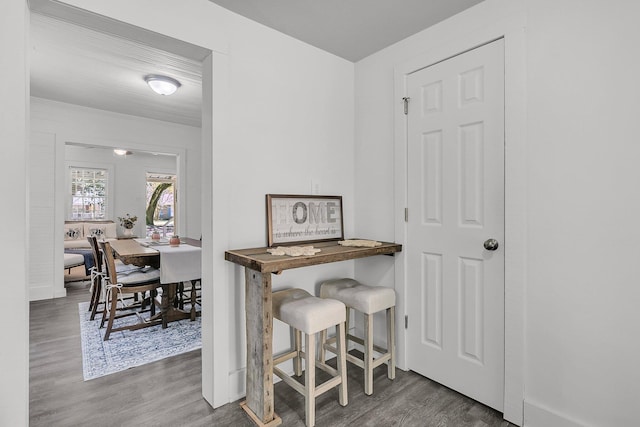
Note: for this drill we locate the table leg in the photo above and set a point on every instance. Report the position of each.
(259, 319)
(168, 313)
(168, 295)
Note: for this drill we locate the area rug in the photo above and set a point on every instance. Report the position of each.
(127, 349)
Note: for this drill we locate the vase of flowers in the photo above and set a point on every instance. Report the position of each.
(127, 223)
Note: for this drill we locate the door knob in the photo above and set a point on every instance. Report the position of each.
(491, 244)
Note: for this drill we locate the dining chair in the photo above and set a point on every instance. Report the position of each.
(96, 277)
(137, 281)
(97, 274)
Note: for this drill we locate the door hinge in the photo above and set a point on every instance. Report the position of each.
(406, 214)
(406, 104)
(406, 321)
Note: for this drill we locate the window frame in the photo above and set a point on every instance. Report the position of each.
(174, 182)
(109, 187)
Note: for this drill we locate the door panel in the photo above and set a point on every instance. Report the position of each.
(456, 202)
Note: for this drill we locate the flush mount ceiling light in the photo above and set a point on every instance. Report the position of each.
(121, 152)
(162, 85)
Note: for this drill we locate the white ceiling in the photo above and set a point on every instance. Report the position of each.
(80, 66)
(88, 60)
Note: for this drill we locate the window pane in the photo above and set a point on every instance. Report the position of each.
(89, 193)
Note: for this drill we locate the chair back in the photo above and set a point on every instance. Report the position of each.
(97, 254)
(109, 262)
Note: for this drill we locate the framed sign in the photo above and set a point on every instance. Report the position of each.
(303, 219)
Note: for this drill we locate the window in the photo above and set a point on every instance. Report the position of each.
(89, 190)
(161, 203)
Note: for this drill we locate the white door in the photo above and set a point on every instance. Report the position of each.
(455, 299)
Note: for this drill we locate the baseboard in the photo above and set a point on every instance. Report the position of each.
(237, 385)
(536, 415)
(37, 293)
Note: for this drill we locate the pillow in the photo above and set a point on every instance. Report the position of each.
(94, 230)
(107, 231)
(73, 232)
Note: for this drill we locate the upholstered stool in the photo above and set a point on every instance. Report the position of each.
(367, 300)
(309, 314)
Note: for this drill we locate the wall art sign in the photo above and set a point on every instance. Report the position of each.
(303, 219)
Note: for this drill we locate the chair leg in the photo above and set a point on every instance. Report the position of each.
(368, 354)
(93, 294)
(342, 364)
(112, 315)
(310, 380)
(104, 311)
(178, 301)
(97, 293)
(193, 300)
(152, 301)
(391, 342)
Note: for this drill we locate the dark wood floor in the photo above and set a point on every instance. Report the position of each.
(168, 392)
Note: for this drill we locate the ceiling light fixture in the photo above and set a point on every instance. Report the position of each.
(162, 85)
(121, 152)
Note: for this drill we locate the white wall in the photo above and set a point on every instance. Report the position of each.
(579, 178)
(56, 123)
(14, 316)
(583, 321)
(288, 119)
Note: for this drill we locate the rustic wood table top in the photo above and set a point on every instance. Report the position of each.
(259, 259)
(131, 252)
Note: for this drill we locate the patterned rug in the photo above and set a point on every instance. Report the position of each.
(126, 349)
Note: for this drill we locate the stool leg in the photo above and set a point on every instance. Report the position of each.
(310, 379)
(297, 361)
(346, 326)
(391, 342)
(342, 364)
(323, 340)
(368, 354)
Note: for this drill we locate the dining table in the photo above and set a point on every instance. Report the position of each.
(177, 264)
(259, 265)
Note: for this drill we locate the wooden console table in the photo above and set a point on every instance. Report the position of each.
(259, 265)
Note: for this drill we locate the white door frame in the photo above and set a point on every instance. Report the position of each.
(515, 194)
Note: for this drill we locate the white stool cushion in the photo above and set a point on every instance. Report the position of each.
(309, 314)
(73, 260)
(365, 299)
